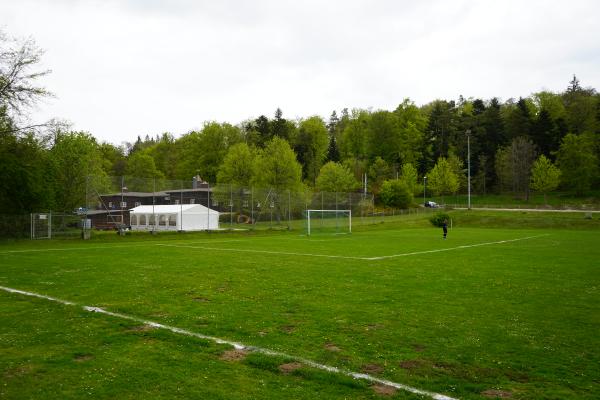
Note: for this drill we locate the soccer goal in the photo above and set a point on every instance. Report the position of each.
(328, 221)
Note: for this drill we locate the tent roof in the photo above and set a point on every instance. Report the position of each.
(173, 209)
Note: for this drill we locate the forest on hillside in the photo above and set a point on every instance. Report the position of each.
(544, 142)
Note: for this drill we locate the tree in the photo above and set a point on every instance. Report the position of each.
(277, 167)
(442, 179)
(17, 82)
(336, 178)
(544, 133)
(441, 127)
(413, 124)
(333, 153)
(26, 179)
(513, 165)
(281, 127)
(517, 119)
(311, 146)
(238, 166)
(409, 175)
(395, 193)
(545, 177)
(578, 162)
(384, 138)
(379, 172)
(203, 152)
(355, 135)
(77, 166)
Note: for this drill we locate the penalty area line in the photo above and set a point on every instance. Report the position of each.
(454, 248)
(285, 253)
(240, 346)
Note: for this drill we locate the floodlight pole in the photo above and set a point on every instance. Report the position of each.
(469, 168)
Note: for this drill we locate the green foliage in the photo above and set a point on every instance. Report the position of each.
(442, 179)
(409, 175)
(238, 167)
(77, 164)
(335, 177)
(278, 167)
(545, 177)
(311, 144)
(379, 171)
(578, 162)
(439, 218)
(395, 193)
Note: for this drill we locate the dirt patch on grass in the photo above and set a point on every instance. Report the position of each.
(288, 328)
(262, 333)
(412, 364)
(384, 390)
(141, 328)
(517, 376)
(289, 367)
(332, 347)
(372, 369)
(497, 394)
(201, 299)
(16, 372)
(83, 357)
(233, 355)
(373, 327)
(419, 348)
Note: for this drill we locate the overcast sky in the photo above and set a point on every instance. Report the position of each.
(136, 67)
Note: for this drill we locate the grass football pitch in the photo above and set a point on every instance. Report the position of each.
(487, 313)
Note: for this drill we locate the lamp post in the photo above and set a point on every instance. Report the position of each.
(424, 188)
(469, 168)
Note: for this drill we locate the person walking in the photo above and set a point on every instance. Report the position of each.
(445, 228)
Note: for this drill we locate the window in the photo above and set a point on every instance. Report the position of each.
(110, 204)
(162, 220)
(137, 204)
(192, 201)
(215, 203)
(176, 201)
(123, 204)
(142, 219)
(173, 220)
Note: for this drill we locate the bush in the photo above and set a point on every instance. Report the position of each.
(395, 193)
(438, 218)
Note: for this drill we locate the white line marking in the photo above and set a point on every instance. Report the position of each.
(454, 248)
(349, 257)
(262, 251)
(240, 346)
(107, 246)
(270, 252)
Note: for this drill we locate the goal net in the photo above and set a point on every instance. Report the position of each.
(328, 221)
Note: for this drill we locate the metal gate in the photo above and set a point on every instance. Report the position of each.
(41, 225)
(49, 225)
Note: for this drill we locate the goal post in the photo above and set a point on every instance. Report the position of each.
(328, 221)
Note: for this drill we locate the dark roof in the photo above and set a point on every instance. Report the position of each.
(137, 194)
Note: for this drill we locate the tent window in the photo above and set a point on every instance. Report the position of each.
(173, 220)
(142, 219)
(162, 220)
(152, 219)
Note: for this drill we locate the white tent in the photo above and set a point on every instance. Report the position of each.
(181, 217)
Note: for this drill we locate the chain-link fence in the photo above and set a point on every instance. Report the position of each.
(128, 203)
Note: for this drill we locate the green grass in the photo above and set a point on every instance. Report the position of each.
(518, 316)
(558, 200)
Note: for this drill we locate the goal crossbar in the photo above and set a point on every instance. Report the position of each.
(336, 212)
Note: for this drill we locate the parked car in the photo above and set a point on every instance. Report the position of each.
(432, 204)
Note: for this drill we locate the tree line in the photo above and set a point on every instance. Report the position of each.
(542, 142)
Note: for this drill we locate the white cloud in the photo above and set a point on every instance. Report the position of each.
(123, 68)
